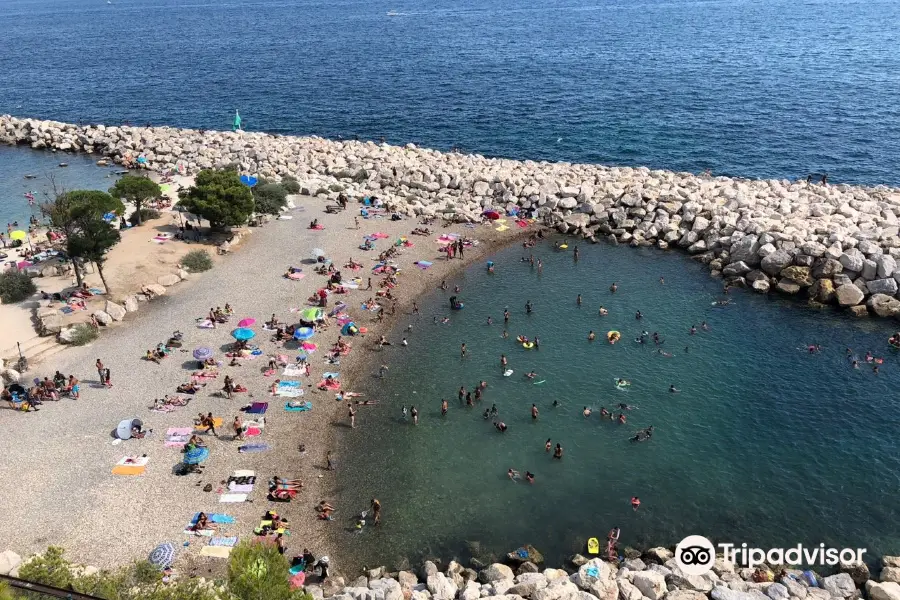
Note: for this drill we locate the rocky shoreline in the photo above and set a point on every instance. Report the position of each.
(831, 244)
(653, 575)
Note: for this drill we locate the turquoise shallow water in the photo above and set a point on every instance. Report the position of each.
(765, 444)
(81, 174)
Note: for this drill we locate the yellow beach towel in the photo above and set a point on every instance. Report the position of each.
(216, 551)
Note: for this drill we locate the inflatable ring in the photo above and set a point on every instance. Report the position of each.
(613, 336)
(528, 345)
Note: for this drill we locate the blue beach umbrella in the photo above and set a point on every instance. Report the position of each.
(303, 333)
(162, 556)
(243, 334)
(196, 455)
(203, 353)
(248, 180)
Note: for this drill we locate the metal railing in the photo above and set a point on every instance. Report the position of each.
(44, 590)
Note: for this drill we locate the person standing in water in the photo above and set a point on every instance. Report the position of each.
(505, 316)
(503, 362)
(462, 393)
(534, 412)
(578, 300)
(540, 267)
(575, 254)
(443, 407)
(591, 336)
(462, 350)
(613, 287)
(415, 414)
(557, 454)
(528, 307)
(547, 445)
(376, 511)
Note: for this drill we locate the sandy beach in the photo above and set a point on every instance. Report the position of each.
(61, 458)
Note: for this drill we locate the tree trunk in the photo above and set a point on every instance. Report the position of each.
(79, 278)
(99, 265)
(137, 208)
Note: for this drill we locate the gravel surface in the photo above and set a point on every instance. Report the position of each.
(58, 461)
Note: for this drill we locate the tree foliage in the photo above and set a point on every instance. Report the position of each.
(66, 208)
(290, 184)
(144, 214)
(257, 571)
(15, 286)
(92, 239)
(220, 198)
(269, 197)
(136, 189)
(197, 261)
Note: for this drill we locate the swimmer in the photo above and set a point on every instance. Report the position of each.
(547, 445)
(555, 403)
(506, 315)
(586, 412)
(404, 342)
(635, 503)
(814, 348)
(693, 329)
(531, 374)
(621, 418)
(591, 336)
(624, 406)
(529, 476)
(456, 289)
(855, 364)
(505, 334)
(875, 369)
(704, 326)
(666, 354)
(673, 389)
(613, 287)
(621, 382)
(558, 453)
(513, 474)
(578, 300)
(869, 356)
(500, 426)
(483, 384)
(603, 311)
(403, 413)
(494, 412)
(638, 315)
(528, 307)
(534, 412)
(443, 407)
(445, 320)
(490, 321)
(605, 413)
(662, 281)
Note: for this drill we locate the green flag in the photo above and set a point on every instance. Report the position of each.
(237, 121)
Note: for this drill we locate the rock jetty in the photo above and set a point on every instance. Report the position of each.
(831, 244)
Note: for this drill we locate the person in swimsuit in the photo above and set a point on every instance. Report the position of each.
(558, 453)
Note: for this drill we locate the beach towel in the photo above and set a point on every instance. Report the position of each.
(296, 276)
(350, 285)
(131, 465)
(252, 431)
(503, 228)
(217, 422)
(285, 217)
(240, 488)
(177, 437)
(232, 498)
(298, 407)
(522, 223)
(66, 310)
(309, 347)
(254, 448)
(219, 518)
(288, 392)
(244, 473)
(257, 408)
(292, 371)
(216, 551)
(379, 236)
(423, 264)
(201, 532)
(225, 542)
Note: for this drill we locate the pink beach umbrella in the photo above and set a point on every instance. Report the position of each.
(246, 322)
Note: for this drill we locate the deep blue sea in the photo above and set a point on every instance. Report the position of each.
(763, 88)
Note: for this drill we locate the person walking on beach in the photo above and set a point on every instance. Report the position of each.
(461, 251)
(462, 350)
(210, 424)
(382, 371)
(238, 428)
(369, 287)
(376, 511)
(443, 407)
(414, 413)
(356, 222)
(106, 378)
(329, 464)
(415, 308)
(100, 371)
(352, 414)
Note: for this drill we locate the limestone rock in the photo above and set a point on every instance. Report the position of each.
(883, 591)
(441, 587)
(116, 311)
(852, 260)
(822, 291)
(651, 584)
(736, 268)
(786, 286)
(684, 595)
(776, 262)
(155, 288)
(762, 286)
(883, 286)
(886, 265)
(103, 317)
(884, 306)
(495, 572)
(131, 304)
(840, 585)
(9, 560)
(890, 561)
(168, 280)
(51, 325)
(859, 311)
(723, 593)
(891, 574)
(799, 275)
(826, 267)
(857, 570)
(849, 295)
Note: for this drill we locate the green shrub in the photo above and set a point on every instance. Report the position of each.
(15, 286)
(84, 334)
(257, 571)
(269, 198)
(146, 215)
(361, 176)
(290, 184)
(197, 261)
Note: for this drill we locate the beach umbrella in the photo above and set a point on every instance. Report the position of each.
(317, 252)
(246, 322)
(18, 234)
(311, 314)
(248, 180)
(493, 215)
(162, 556)
(243, 334)
(303, 333)
(196, 455)
(203, 353)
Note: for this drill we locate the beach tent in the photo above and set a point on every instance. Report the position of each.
(123, 430)
(350, 329)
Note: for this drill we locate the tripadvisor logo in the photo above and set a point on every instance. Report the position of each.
(695, 555)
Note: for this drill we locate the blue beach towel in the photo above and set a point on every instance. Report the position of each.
(254, 448)
(590, 571)
(289, 384)
(301, 408)
(214, 518)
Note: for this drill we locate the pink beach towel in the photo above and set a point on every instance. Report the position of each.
(380, 236)
(177, 437)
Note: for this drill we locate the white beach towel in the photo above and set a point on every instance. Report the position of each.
(233, 498)
(293, 371)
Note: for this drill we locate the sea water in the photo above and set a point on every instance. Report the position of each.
(765, 443)
(82, 173)
(762, 88)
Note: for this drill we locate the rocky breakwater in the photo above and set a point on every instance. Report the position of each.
(655, 575)
(831, 244)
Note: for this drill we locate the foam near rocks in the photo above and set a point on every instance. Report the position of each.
(736, 226)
